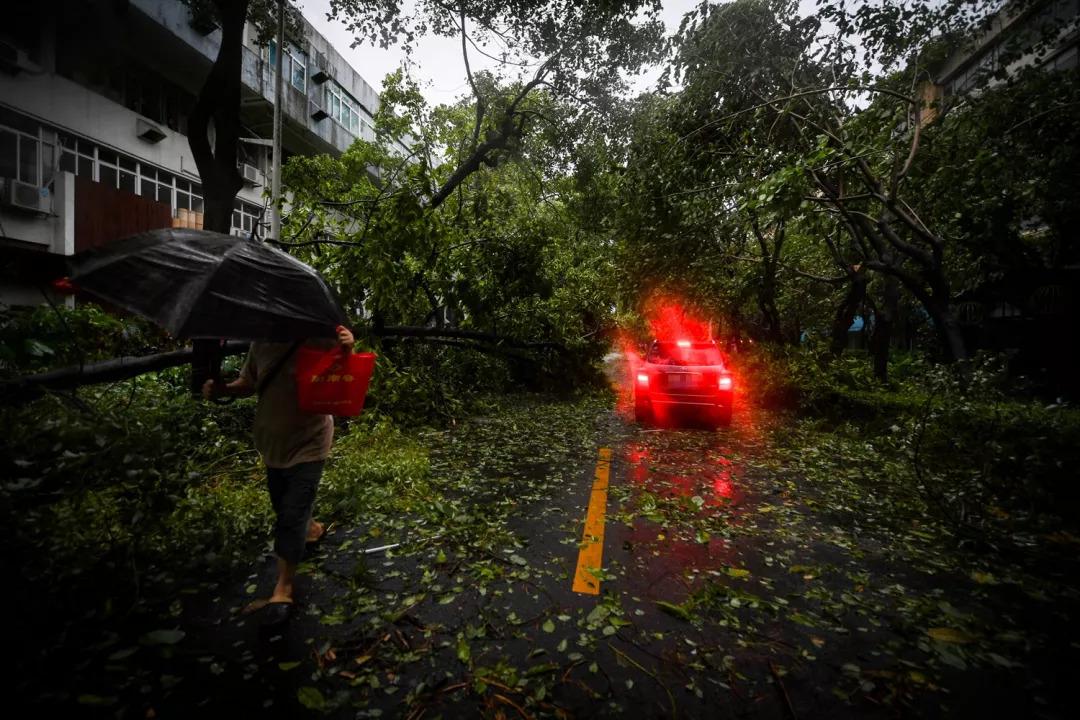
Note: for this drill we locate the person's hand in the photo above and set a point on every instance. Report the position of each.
(345, 338)
(213, 389)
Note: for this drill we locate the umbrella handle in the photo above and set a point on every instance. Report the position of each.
(206, 358)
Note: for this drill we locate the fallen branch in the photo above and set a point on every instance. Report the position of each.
(639, 666)
(783, 690)
(32, 386)
(432, 332)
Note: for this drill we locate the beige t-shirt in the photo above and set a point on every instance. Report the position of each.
(284, 436)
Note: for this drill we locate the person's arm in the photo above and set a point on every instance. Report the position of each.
(240, 387)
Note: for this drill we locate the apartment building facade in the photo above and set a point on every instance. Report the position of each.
(1043, 34)
(94, 99)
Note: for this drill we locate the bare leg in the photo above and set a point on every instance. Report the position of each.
(315, 531)
(283, 591)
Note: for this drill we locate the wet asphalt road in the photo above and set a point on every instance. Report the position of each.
(727, 589)
(614, 653)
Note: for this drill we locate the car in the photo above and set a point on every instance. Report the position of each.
(683, 376)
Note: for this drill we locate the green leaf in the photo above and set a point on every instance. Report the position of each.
(677, 611)
(96, 700)
(122, 654)
(950, 635)
(36, 348)
(162, 637)
(311, 698)
(548, 626)
(464, 652)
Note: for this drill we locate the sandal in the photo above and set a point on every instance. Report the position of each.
(276, 613)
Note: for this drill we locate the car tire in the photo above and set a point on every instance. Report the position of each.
(642, 414)
(722, 416)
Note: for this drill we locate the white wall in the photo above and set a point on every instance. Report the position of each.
(57, 101)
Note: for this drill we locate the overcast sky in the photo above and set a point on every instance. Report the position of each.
(438, 64)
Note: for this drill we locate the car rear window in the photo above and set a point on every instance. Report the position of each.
(698, 353)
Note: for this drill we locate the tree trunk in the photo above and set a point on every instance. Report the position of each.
(845, 314)
(219, 103)
(883, 328)
(949, 332)
(767, 305)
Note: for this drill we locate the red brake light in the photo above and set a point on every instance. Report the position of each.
(643, 378)
(725, 382)
(64, 286)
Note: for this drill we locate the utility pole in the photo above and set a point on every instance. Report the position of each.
(275, 172)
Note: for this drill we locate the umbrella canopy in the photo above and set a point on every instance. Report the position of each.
(201, 284)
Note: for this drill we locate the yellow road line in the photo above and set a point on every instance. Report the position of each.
(591, 554)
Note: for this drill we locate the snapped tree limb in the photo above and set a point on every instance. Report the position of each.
(30, 387)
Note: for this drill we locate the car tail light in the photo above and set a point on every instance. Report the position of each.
(725, 382)
(683, 343)
(643, 379)
(64, 286)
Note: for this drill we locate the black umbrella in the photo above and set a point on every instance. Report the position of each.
(199, 284)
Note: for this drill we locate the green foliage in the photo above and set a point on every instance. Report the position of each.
(105, 486)
(374, 467)
(33, 339)
(956, 441)
(1009, 152)
(95, 475)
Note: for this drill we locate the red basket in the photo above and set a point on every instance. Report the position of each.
(332, 382)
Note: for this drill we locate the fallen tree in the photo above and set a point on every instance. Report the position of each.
(31, 387)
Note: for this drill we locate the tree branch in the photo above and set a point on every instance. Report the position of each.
(508, 128)
(426, 332)
(29, 387)
(472, 83)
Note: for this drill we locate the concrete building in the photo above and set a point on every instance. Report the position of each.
(1038, 33)
(94, 98)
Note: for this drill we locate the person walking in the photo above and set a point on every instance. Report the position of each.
(294, 447)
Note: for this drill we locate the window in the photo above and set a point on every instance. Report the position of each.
(108, 171)
(188, 196)
(27, 157)
(684, 353)
(9, 153)
(246, 216)
(299, 72)
(33, 153)
(293, 65)
(341, 106)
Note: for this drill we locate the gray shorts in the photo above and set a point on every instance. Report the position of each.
(292, 493)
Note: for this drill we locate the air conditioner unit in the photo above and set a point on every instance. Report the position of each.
(203, 22)
(250, 173)
(148, 131)
(321, 68)
(14, 60)
(24, 196)
(316, 111)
